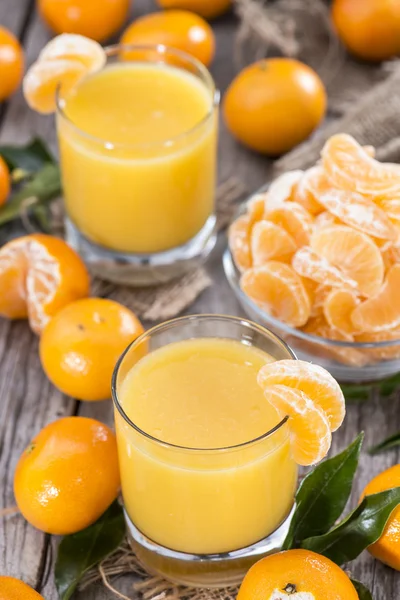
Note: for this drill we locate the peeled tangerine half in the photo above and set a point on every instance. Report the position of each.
(39, 275)
(312, 400)
(62, 63)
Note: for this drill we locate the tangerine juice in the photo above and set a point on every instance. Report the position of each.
(137, 149)
(205, 487)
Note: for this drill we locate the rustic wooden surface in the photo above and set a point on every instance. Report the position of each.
(28, 401)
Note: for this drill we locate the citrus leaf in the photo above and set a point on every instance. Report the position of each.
(323, 494)
(359, 530)
(83, 550)
(45, 185)
(30, 158)
(362, 591)
(387, 444)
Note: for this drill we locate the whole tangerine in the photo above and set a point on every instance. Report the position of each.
(82, 343)
(178, 29)
(387, 548)
(5, 181)
(68, 475)
(296, 573)
(96, 19)
(209, 9)
(11, 63)
(274, 104)
(15, 589)
(370, 29)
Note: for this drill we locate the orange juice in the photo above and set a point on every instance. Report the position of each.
(217, 483)
(137, 149)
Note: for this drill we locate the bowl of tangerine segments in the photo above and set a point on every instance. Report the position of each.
(315, 256)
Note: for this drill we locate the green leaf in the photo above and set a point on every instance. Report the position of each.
(359, 530)
(30, 158)
(362, 591)
(386, 444)
(83, 550)
(44, 186)
(323, 494)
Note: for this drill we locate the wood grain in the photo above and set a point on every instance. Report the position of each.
(28, 401)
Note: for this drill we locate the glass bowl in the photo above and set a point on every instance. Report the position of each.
(357, 365)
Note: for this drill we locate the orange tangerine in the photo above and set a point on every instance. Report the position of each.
(68, 475)
(338, 308)
(239, 242)
(350, 167)
(296, 575)
(312, 380)
(11, 63)
(278, 289)
(282, 189)
(308, 263)
(382, 311)
(354, 253)
(82, 343)
(209, 9)
(387, 548)
(178, 29)
(5, 181)
(39, 275)
(15, 589)
(310, 435)
(294, 218)
(270, 242)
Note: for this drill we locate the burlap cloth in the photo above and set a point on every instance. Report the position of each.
(364, 101)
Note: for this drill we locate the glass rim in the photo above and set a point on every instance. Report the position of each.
(172, 323)
(231, 273)
(162, 49)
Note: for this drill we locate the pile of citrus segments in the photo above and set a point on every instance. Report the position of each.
(320, 250)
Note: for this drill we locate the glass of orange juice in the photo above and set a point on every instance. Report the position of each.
(208, 479)
(137, 146)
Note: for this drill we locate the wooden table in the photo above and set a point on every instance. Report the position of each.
(29, 401)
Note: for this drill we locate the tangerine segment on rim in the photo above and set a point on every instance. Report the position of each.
(338, 308)
(382, 311)
(271, 242)
(354, 253)
(349, 166)
(308, 263)
(310, 434)
(71, 46)
(278, 289)
(313, 380)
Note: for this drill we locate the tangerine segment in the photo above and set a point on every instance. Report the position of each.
(269, 242)
(345, 355)
(382, 311)
(354, 253)
(349, 166)
(70, 46)
(310, 379)
(308, 263)
(390, 205)
(310, 434)
(326, 219)
(358, 212)
(40, 275)
(294, 218)
(305, 193)
(282, 188)
(338, 308)
(321, 293)
(239, 242)
(43, 79)
(278, 289)
(255, 207)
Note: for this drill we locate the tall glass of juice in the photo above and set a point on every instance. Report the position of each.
(208, 479)
(137, 146)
